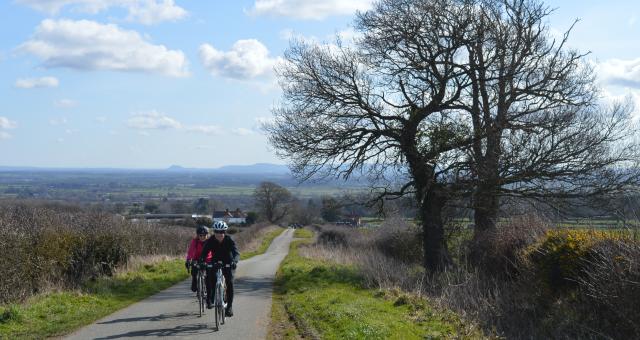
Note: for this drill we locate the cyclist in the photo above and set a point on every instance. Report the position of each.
(224, 249)
(194, 251)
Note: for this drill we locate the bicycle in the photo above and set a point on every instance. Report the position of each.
(201, 290)
(219, 304)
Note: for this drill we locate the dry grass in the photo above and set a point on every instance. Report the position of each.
(137, 262)
(250, 239)
(505, 293)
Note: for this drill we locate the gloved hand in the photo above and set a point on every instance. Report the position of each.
(234, 265)
(202, 265)
(187, 264)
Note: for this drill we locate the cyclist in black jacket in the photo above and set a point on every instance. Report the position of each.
(224, 249)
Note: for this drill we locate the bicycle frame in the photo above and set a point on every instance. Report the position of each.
(219, 303)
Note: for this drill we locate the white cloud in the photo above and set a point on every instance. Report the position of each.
(242, 131)
(6, 123)
(65, 103)
(305, 9)
(58, 121)
(620, 72)
(206, 129)
(101, 119)
(150, 12)
(247, 59)
(52, 7)
(88, 45)
(633, 20)
(147, 12)
(153, 120)
(617, 95)
(29, 83)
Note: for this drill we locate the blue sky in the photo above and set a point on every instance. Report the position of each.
(151, 83)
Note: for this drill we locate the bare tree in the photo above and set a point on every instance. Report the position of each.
(272, 200)
(535, 105)
(386, 104)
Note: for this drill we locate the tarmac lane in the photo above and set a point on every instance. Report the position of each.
(173, 312)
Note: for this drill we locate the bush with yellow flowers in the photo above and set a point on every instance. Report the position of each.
(561, 255)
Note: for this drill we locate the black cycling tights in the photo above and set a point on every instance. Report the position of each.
(228, 277)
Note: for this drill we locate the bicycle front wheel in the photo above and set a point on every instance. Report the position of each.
(216, 308)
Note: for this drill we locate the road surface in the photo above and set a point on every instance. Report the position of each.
(173, 312)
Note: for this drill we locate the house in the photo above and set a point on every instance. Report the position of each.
(231, 217)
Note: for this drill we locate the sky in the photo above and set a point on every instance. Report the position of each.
(155, 83)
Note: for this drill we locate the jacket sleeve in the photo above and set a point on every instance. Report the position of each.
(205, 249)
(191, 251)
(235, 254)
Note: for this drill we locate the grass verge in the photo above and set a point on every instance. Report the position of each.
(303, 233)
(266, 242)
(317, 299)
(59, 313)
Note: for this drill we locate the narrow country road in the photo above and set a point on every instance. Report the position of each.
(173, 312)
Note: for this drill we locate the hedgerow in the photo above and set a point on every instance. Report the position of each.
(46, 247)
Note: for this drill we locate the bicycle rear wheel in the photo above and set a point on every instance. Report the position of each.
(201, 294)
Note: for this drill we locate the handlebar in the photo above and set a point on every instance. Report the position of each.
(217, 265)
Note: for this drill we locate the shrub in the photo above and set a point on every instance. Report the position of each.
(206, 221)
(333, 237)
(562, 254)
(43, 246)
(609, 287)
(399, 240)
(499, 253)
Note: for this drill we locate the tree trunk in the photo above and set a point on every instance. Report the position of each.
(431, 200)
(486, 208)
(436, 254)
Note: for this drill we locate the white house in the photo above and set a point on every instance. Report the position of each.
(231, 217)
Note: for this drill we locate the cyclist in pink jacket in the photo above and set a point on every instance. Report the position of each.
(193, 254)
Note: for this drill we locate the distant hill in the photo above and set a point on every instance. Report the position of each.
(259, 168)
(255, 169)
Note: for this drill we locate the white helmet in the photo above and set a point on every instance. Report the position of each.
(220, 225)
